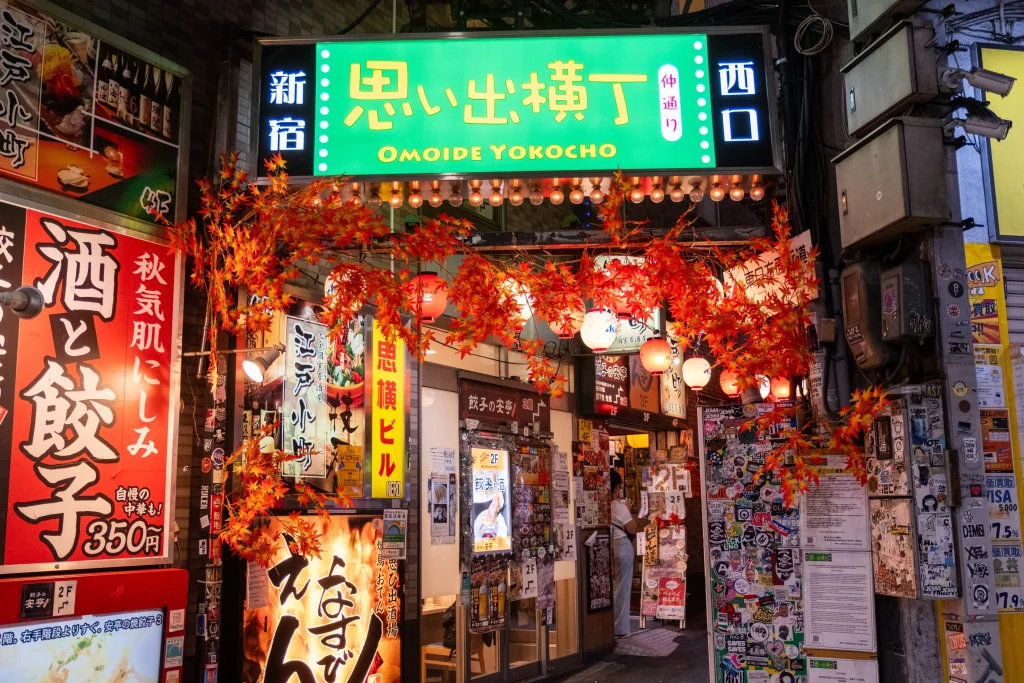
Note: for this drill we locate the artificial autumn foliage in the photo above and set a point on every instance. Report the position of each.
(256, 239)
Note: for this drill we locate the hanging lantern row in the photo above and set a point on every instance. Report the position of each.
(415, 193)
(778, 387)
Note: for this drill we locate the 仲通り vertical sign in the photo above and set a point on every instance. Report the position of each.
(387, 395)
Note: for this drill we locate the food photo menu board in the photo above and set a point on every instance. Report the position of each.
(86, 119)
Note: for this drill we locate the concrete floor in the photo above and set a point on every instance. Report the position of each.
(688, 664)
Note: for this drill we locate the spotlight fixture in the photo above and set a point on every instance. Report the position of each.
(256, 368)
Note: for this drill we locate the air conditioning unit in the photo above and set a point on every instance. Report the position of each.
(893, 181)
(896, 70)
(869, 17)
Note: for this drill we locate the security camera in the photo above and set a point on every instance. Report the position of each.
(985, 126)
(982, 79)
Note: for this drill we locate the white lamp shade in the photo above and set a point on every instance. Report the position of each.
(696, 373)
(599, 329)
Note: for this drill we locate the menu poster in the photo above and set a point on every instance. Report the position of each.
(491, 517)
(833, 581)
(821, 670)
(489, 579)
(442, 496)
(531, 517)
(86, 119)
(995, 440)
(988, 366)
(599, 571)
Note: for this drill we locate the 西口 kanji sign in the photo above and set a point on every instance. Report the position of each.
(87, 389)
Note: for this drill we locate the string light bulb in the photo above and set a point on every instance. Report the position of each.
(354, 198)
(476, 198)
(496, 199)
(396, 200)
(455, 198)
(515, 196)
(696, 193)
(415, 198)
(757, 192)
(657, 193)
(636, 194)
(436, 200)
(596, 194)
(737, 193)
(576, 196)
(717, 192)
(677, 192)
(536, 196)
(374, 201)
(557, 196)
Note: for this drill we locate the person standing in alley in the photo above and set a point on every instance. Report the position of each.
(624, 529)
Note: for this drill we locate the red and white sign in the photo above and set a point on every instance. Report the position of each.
(87, 448)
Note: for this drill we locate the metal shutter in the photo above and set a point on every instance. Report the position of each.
(1014, 280)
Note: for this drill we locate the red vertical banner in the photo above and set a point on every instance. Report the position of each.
(89, 464)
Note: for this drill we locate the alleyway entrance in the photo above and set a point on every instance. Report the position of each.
(687, 663)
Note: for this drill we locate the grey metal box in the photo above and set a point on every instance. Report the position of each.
(870, 16)
(896, 70)
(893, 181)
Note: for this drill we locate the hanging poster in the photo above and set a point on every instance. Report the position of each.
(305, 399)
(545, 580)
(531, 517)
(995, 440)
(1007, 565)
(756, 610)
(87, 420)
(833, 582)
(835, 510)
(599, 571)
(644, 390)
(1003, 507)
(396, 522)
(821, 670)
(892, 547)
(86, 119)
(489, 579)
(348, 468)
(671, 598)
(491, 507)
(442, 496)
(673, 390)
(988, 366)
(339, 612)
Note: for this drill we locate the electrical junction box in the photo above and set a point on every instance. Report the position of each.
(862, 321)
(869, 17)
(906, 304)
(896, 70)
(892, 182)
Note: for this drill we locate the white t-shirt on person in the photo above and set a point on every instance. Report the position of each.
(620, 518)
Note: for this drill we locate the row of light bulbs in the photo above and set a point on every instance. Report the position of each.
(398, 193)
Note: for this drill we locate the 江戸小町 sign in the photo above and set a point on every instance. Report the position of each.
(503, 105)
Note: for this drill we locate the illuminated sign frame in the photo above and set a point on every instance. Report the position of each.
(294, 90)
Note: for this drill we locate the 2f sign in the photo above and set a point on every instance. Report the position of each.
(64, 593)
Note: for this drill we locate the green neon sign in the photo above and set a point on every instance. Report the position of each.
(540, 104)
(525, 104)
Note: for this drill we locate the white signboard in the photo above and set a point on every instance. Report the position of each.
(1003, 510)
(839, 601)
(304, 411)
(989, 372)
(834, 513)
(821, 670)
(632, 333)
(758, 274)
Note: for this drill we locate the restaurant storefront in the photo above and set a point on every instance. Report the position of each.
(507, 572)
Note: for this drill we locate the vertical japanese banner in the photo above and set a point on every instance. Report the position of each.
(387, 393)
(331, 618)
(304, 409)
(88, 473)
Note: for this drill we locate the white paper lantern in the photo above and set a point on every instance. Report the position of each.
(522, 296)
(599, 329)
(696, 373)
(764, 386)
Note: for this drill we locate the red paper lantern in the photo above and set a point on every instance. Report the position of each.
(621, 308)
(430, 295)
(730, 383)
(780, 387)
(568, 329)
(656, 355)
